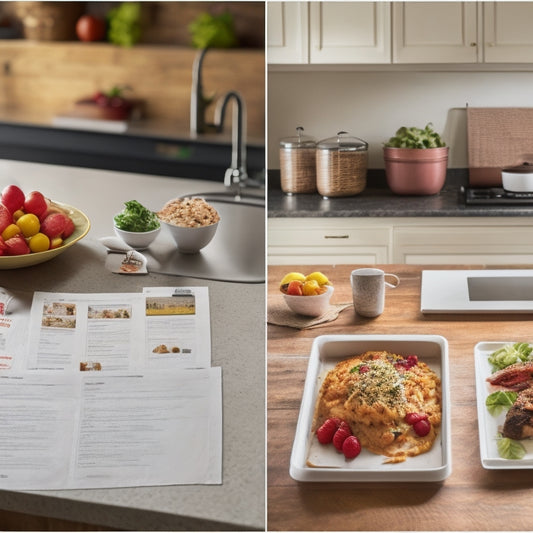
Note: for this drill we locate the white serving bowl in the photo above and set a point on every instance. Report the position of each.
(191, 240)
(309, 305)
(518, 179)
(139, 240)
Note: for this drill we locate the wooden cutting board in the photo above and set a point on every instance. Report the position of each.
(498, 137)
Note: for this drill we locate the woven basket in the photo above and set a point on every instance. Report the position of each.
(341, 173)
(49, 21)
(298, 170)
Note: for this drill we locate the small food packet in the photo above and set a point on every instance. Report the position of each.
(5, 298)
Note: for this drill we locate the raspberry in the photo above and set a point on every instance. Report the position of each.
(351, 447)
(422, 427)
(326, 431)
(340, 436)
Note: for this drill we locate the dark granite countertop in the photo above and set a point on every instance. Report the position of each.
(377, 200)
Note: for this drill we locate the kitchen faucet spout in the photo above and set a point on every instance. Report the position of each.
(236, 175)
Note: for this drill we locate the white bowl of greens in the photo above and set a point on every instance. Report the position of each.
(136, 225)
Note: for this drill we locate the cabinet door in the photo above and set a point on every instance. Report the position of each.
(349, 32)
(508, 32)
(326, 241)
(435, 32)
(446, 245)
(287, 32)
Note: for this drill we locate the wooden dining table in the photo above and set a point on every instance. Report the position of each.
(471, 498)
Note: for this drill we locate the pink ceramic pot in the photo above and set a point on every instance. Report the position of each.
(416, 171)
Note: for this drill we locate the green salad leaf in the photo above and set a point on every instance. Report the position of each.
(500, 400)
(510, 354)
(416, 138)
(136, 217)
(510, 449)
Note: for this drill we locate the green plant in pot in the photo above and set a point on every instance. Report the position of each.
(416, 161)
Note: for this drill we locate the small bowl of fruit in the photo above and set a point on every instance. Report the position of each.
(307, 295)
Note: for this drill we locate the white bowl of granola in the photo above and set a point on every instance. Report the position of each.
(192, 222)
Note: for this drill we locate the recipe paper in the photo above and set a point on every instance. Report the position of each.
(110, 390)
(160, 328)
(97, 430)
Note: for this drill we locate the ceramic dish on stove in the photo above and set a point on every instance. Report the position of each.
(518, 178)
(327, 350)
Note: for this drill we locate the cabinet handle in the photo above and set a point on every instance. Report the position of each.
(336, 236)
(473, 44)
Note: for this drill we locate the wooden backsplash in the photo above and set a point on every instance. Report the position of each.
(47, 77)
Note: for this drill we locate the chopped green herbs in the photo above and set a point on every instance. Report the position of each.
(135, 217)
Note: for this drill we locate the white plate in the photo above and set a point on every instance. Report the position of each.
(327, 350)
(489, 425)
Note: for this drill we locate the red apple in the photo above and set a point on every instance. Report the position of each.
(90, 28)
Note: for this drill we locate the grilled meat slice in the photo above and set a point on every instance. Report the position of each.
(519, 419)
(514, 377)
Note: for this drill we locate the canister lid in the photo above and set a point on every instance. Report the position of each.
(299, 140)
(343, 142)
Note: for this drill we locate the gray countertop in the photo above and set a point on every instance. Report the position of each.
(377, 200)
(237, 330)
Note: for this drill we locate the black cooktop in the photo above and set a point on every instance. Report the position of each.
(496, 196)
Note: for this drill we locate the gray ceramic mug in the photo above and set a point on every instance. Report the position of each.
(368, 290)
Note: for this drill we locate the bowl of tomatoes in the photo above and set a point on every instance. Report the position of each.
(35, 229)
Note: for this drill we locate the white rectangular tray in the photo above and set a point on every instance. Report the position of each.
(327, 350)
(489, 425)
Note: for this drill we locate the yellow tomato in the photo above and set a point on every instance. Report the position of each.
(29, 224)
(10, 231)
(39, 242)
(17, 214)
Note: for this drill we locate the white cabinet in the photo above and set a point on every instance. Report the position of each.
(421, 241)
(307, 241)
(435, 32)
(508, 32)
(356, 32)
(287, 32)
(349, 32)
(328, 32)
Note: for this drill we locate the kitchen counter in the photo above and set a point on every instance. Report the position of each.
(377, 200)
(237, 331)
(148, 146)
(471, 498)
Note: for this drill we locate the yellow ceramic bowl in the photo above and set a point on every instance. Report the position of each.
(81, 228)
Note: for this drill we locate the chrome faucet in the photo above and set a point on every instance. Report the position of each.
(236, 175)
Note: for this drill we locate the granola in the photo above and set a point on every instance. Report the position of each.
(188, 213)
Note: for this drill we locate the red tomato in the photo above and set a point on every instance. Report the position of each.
(35, 203)
(12, 197)
(90, 28)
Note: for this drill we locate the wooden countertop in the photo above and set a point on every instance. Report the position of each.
(471, 498)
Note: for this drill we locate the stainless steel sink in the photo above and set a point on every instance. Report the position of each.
(236, 253)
